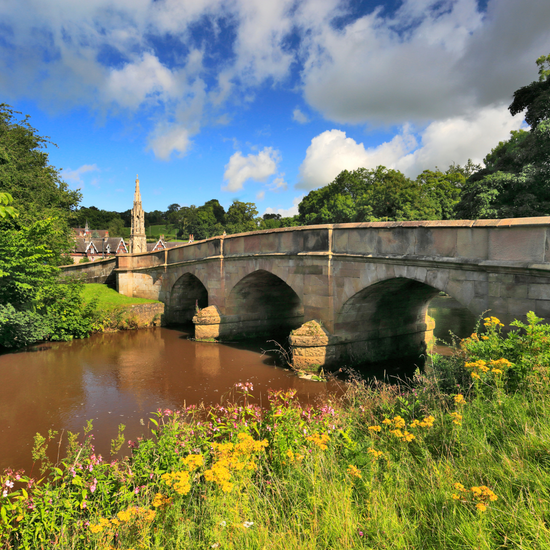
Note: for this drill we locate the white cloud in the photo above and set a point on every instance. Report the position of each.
(441, 143)
(286, 212)
(331, 152)
(299, 117)
(429, 60)
(167, 139)
(458, 139)
(144, 79)
(255, 167)
(260, 196)
(75, 176)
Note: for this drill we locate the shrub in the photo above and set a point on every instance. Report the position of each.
(21, 328)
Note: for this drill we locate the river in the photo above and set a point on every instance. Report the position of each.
(122, 377)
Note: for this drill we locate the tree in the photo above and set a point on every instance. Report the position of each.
(241, 217)
(441, 190)
(5, 209)
(35, 303)
(36, 187)
(368, 195)
(515, 181)
(116, 227)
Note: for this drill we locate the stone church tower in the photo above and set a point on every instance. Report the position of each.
(138, 241)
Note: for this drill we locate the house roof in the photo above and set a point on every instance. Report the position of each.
(109, 245)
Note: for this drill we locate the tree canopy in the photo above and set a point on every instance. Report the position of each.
(516, 179)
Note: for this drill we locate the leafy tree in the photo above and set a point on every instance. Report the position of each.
(35, 303)
(516, 179)
(5, 209)
(441, 190)
(241, 217)
(96, 218)
(369, 195)
(116, 227)
(36, 187)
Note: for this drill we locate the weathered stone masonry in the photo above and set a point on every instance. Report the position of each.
(367, 285)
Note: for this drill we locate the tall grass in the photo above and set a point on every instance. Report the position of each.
(458, 458)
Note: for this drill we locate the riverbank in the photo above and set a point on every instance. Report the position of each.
(114, 311)
(459, 459)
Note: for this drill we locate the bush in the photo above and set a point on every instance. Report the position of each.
(21, 328)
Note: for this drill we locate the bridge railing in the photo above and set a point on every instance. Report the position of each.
(520, 241)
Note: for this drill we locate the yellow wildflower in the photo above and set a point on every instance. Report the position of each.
(161, 500)
(492, 322)
(320, 440)
(428, 422)
(375, 454)
(375, 428)
(386, 421)
(193, 461)
(95, 528)
(476, 376)
(399, 422)
(481, 507)
(496, 371)
(455, 496)
(459, 399)
(353, 471)
(459, 487)
(457, 418)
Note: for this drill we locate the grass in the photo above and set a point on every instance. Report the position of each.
(108, 298)
(457, 459)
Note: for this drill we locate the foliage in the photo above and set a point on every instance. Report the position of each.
(36, 187)
(5, 209)
(241, 217)
(380, 467)
(26, 263)
(95, 218)
(37, 303)
(514, 182)
(21, 328)
(382, 194)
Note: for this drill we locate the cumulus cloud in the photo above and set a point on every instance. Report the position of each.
(299, 117)
(331, 152)
(75, 176)
(425, 61)
(146, 78)
(258, 167)
(458, 139)
(441, 143)
(428, 60)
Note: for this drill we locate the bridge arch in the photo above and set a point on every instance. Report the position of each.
(187, 292)
(262, 302)
(386, 319)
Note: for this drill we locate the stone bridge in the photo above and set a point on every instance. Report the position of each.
(348, 292)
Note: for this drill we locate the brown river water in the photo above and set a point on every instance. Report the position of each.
(123, 377)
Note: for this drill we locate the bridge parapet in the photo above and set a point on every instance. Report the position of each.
(368, 284)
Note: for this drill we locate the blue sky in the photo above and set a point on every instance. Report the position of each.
(259, 100)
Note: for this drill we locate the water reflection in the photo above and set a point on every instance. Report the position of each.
(121, 378)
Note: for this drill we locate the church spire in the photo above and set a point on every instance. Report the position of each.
(137, 195)
(138, 241)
